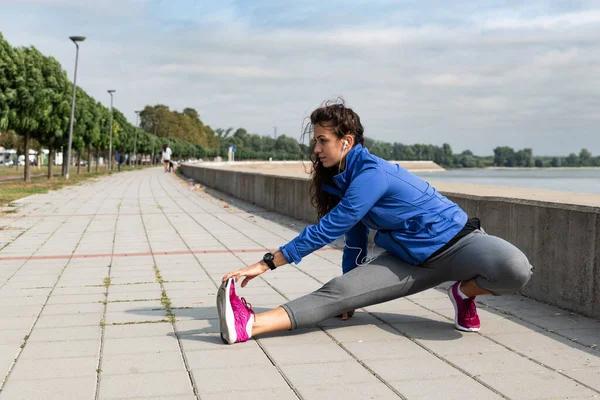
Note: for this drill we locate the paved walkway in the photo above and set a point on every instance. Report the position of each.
(107, 291)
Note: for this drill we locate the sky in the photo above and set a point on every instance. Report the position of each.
(474, 74)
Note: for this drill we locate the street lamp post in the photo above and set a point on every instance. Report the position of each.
(110, 155)
(74, 39)
(137, 126)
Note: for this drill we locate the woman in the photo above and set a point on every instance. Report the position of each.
(428, 240)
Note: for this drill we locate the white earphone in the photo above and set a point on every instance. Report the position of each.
(345, 145)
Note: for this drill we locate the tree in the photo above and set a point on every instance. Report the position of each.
(585, 157)
(572, 160)
(504, 156)
(9, 74)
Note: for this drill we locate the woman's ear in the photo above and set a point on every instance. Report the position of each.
(350, 140)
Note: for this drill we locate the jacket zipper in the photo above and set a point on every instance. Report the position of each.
(403, 248)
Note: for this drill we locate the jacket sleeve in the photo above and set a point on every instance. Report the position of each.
(355, 250)
(364, 191)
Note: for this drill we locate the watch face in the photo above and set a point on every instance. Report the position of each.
(268, 257)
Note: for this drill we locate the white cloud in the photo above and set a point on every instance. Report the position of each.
(517, 80)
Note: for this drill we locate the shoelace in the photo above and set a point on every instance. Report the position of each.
(247, 305)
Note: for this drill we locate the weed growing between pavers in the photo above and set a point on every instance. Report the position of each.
(159, 278)
(166, 302)
(127, 301)
(164, 299)
(24, 341)
(107, 281)
(160, 321)
(118, 284)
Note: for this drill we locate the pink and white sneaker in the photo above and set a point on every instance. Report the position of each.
(465, 310)
(235, 315)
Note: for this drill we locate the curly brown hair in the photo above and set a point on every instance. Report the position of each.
(341, 120)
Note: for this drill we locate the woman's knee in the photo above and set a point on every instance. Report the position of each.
(339, 287)
(514, 273)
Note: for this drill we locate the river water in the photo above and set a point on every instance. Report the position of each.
(571, 180)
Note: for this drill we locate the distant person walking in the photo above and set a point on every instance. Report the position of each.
(166, 157)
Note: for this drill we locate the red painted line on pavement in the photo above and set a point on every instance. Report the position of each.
(124, 214)
(160, 253)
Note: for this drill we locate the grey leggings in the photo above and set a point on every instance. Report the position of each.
(496, 265)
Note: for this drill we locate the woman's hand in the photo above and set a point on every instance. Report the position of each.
(250, 272)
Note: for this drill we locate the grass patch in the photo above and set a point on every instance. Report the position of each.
(10, 171)
(17, 189)
(107, 281)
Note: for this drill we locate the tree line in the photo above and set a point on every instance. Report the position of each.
(35, 105)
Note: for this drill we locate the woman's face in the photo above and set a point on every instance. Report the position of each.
(328, 147)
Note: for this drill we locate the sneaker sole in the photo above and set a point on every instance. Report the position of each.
(460, 328)
(226, 317)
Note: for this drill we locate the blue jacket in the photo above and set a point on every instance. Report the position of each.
(411, 218)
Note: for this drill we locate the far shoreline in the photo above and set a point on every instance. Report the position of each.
(524, 168)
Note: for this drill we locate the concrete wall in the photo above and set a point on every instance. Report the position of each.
(562, 240)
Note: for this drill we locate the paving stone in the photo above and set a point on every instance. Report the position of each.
(142, 287)
(13, 336)
(469, 343)
(426, 366)
(137, 330)
(61, 321)
(50, 389)
(385, 350)
(265, 394)
(494, 362)
(219, 380)
(16, 323)
(75, 299)
(20, 312)
(8, 353)
(227, 357)
(65, 334)
(135, 295)
(77, 308)
(453, 388)
(19, 301)
(356, 333)
(168, 384)
(66, 349)
(589, 376)
(308, 353)
(348, 391)
(170, 397)
(52, 368)
(533, 385)
(300, 336)
(339, 372)
(123, 364)
(151, 344)
(78, 290)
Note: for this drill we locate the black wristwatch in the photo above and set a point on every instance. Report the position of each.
(268, 259)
